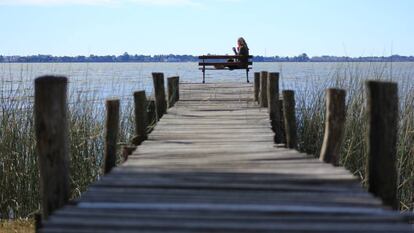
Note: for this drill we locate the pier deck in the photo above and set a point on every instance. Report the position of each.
(210, 165)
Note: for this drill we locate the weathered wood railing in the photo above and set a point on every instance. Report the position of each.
(382, 109)
(52, 134)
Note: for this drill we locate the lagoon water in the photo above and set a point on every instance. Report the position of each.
(104, 80)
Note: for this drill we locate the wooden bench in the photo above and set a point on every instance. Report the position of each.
(220, 62)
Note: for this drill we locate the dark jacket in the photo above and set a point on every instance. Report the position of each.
(243, 51)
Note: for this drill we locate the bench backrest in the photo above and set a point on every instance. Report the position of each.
(208, 57)
(213, 60)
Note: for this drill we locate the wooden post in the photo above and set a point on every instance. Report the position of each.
(38, 222)
(127, 150)
(282, 121)
(177, 88)
(173, 92)
(334, 126)
(152, 116)
(111, 134)
(52, 147)
(273, 105)
(290, 118)
(263, 89)
(256, 86)
(141, 117)
(382, 110)
(159, 92)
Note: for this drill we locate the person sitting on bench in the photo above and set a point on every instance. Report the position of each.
(242, 63)
(242, 50)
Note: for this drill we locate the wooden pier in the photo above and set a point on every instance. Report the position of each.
(211, 165)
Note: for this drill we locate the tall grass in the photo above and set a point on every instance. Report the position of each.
(19, 176)
(311, 116)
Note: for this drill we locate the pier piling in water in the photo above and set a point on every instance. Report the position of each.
(273, 105)
(159, 93)
(173, 91)
(127, 150)
(290, 118)
(282, 121)
(141, 117)
(382, 109)
(263, 89)
(152, 115)
(52, 147)
(111, 134)
(256, 86)
(334, 126)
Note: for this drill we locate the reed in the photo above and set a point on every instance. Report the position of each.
(311, 110)
(19, 176)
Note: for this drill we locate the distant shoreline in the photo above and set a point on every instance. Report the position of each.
(171, 58)
(97, 62)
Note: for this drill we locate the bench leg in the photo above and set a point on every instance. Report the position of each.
(247, 75)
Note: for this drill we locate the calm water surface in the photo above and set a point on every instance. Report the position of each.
(104, 80)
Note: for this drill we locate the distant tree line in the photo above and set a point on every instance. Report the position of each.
(190, 58)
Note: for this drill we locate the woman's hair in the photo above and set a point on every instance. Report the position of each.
(242, 42)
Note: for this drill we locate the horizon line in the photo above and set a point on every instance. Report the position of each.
(172, 54)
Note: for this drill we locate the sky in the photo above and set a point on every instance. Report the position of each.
(270, 27)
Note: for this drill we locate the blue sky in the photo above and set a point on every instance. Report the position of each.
(270, 27)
